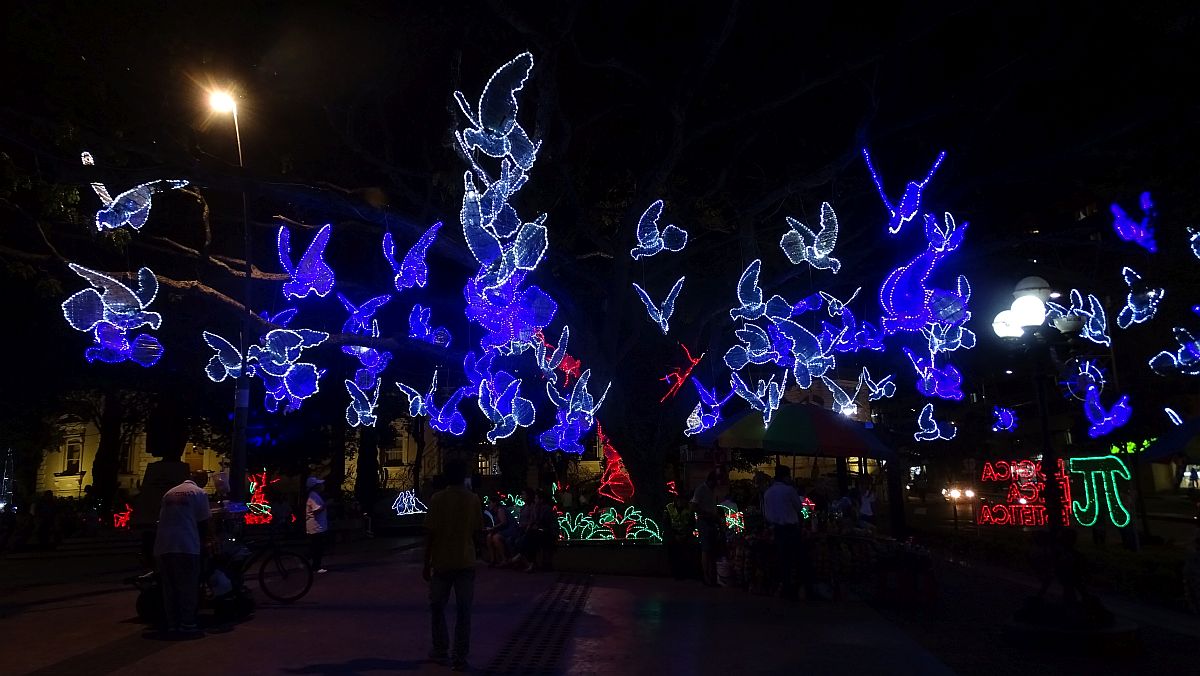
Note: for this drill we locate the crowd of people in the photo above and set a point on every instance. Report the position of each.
(768, 547)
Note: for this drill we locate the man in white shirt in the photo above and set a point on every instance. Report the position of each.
(181, 519)
(781, 508)
(316, 523)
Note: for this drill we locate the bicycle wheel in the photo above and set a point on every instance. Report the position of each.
(285, 576)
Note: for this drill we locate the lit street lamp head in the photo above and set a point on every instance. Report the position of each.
(222, 102)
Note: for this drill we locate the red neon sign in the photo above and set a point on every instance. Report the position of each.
(1024, 501)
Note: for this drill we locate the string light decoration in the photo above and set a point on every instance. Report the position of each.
(361, 410)
(419, 328)
(734, 519)
(258, 509)
(511, 315)
(1194, 241)
(843, 402)
(908, 302)
(227, 362)
(361, 322)
(1104, 420)
(447, 417)
(574, 417)
(500, 401)
(679, 374)
(756, 347)
(288, 381)
(1006, 419)
(750, 298)
(407, 502)
(1024, 502)
(121, 519)
(629, 524)
(800, 244)
(578, 526)
(1099, 480)
(131, 207)
(1173, 416)
(765, 398)
(419, 404)
(615, 483)
(932, 430)
(1080, 375)
(671, 490)
(110, 309)
(550, 365)
(1095, 322)
(501, 261)
(651, 240)
(942, 338)
(910, 201)
(1141, 304)
(312, 274)
(661, 315)
(411, 270)
(837, 307)
(707, 412)
(1138, 232)
(884, 388)
(494, 128)
(1185, 360)
(944, 382)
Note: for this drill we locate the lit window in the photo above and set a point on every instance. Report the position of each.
(74, 455)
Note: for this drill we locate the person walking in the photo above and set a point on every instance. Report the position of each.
(184, 515)
(781, 507)
(316, 524)
(708, 523)
(454, 519)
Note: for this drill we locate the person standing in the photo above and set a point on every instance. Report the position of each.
(866, 503)
(454, 519)
(184, 515)
(316, 523)
(679, 540)
(704, 501)
(782, 507)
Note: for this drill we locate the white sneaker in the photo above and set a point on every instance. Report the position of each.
(322, 570)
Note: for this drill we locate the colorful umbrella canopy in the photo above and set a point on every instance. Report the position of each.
(800, 429)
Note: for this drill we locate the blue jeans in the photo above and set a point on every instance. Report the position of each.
(463, 583)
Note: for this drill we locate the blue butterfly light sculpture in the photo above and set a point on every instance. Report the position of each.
(661, 315)
(412, 270)
(910, 202)
(131, 207)
(108, 310)
(651, 240)
(311, 274)
(932, 430)
(1006, 419)
(800, 244)
(494, 128)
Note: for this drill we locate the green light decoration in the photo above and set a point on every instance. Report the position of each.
(629, 525)
(1100, 476)
(580, 526)
(734, 520)
(1131, 447)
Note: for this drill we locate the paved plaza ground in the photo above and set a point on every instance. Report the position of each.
(368, 616)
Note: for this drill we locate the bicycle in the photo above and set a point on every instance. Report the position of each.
(283, 575)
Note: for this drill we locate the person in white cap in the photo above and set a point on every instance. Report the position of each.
(316, 523)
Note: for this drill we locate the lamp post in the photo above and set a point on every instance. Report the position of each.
(1026, 319)
(223, 102)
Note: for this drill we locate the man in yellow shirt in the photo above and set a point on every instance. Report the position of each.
(454, 520)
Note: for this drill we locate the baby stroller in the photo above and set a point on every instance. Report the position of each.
(222, 588)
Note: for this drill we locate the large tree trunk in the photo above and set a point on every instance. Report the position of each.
(416, 428)
(366, 485)
(337, 456)
(104, 466)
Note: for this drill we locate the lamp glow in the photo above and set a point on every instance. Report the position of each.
(1029, 311)
(221, 102)
(1006, 325)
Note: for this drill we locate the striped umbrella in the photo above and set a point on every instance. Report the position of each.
(799, 429)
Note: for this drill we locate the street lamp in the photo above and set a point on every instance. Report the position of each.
(1026, 318)
(222, 102)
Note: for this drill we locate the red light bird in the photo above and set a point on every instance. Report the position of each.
(679, 375)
